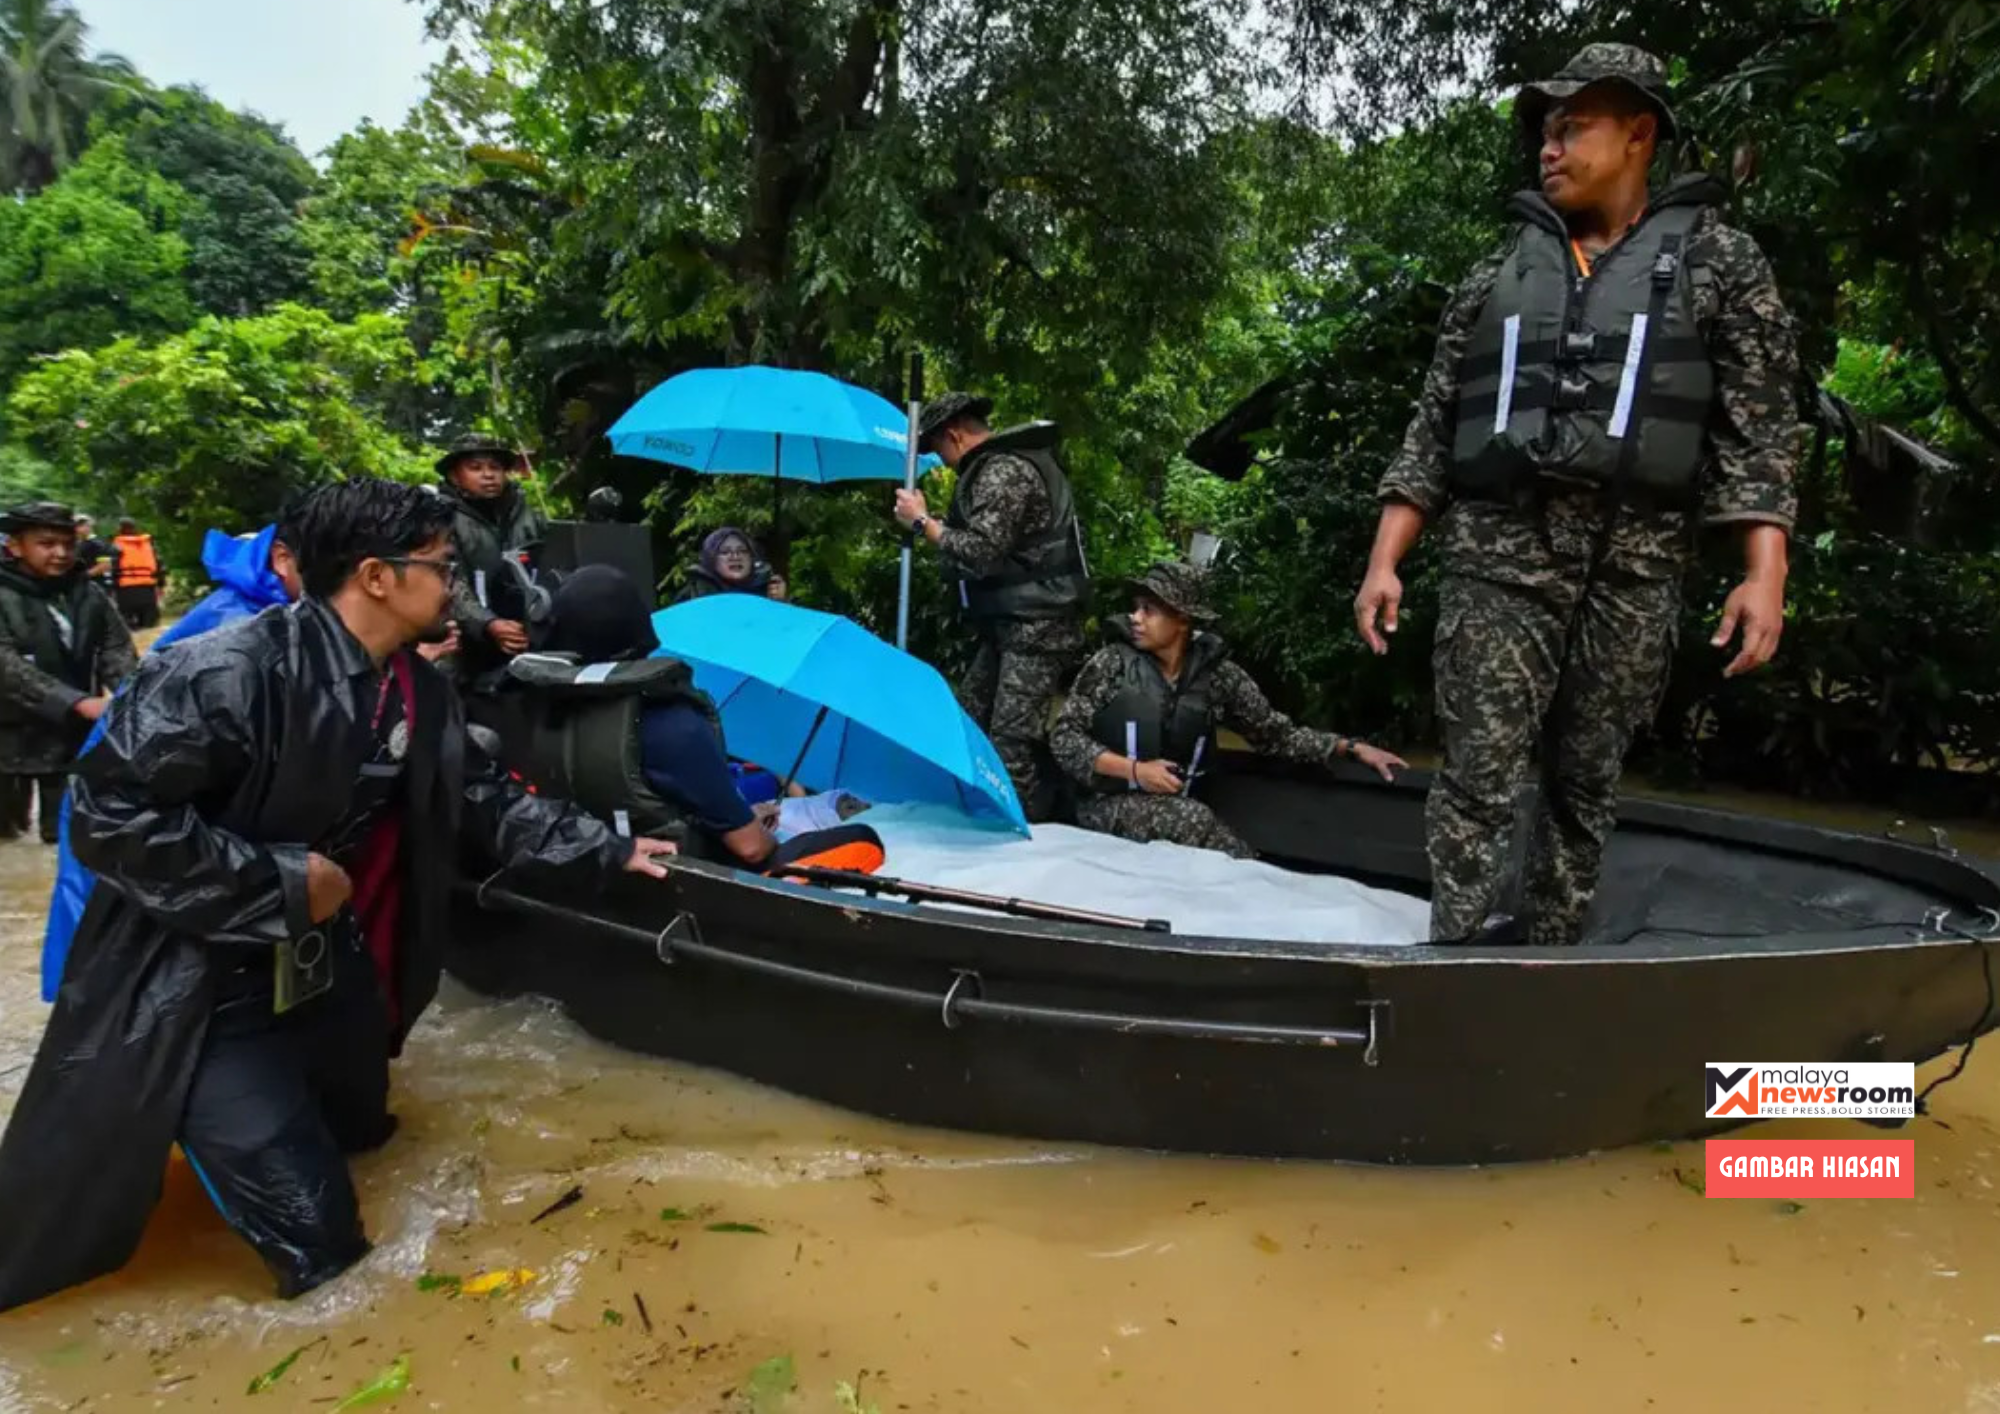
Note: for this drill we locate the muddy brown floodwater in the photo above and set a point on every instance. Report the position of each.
(952, 1273)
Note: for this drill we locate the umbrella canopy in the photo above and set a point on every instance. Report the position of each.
(868, 717)
(776, 422)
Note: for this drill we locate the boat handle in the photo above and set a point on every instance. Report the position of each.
(1939, 840)
(964, 999)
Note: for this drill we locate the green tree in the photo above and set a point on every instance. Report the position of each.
(217, 425)
(48, 87)
(93, 256)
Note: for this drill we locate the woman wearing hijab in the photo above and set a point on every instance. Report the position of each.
(729, 564)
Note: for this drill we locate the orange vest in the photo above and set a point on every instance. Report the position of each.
(137, 564)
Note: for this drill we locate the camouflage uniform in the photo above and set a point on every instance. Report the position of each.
(1235, 701)
(1536, 648)
(1021, 665)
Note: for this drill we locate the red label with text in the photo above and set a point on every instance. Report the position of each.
(1812, 1168)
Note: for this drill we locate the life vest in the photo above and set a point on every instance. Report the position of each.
(579, 737)
(138, 566)
(1601, 380)
(485, 534)
(1044, 577)
(1151, 719)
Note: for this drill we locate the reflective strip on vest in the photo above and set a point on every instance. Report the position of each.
(1635, 349)
(1510, 356)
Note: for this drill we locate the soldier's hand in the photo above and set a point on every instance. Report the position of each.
(910, 505)
(1381, 594)
(1158, 777)
(1757, 606)
(91, 708)
(1383, 763)
(508, 636)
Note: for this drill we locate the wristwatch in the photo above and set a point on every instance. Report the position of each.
(917, 525)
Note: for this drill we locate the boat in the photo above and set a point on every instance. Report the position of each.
(1716, 937)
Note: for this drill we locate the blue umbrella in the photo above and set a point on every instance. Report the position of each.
(777, 422)
(838, 706)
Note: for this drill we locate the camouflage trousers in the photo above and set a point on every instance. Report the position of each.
(1173, 819)
(1010, 692)
(1540, 658)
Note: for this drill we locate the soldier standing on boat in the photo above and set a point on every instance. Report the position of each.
(492, 521)
(1012, 541)
(1622, 370)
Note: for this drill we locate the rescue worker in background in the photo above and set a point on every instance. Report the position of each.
(62, 648)
(1621, 370)
(1137, 731)
(137, 573)
(93, 556)
(491, 519)
(1012, 541)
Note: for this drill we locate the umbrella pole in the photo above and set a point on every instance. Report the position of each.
(909, 484)
(785, 786)
(778, 556)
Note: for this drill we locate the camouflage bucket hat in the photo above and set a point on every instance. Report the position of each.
(1182, 588)
(477, 444)
(942, 409)
(37, 515)
(1624, 64)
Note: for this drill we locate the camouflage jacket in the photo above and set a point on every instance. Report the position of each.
(1008, 505)
(1753, 436)
(1238, 704)
(48, 665)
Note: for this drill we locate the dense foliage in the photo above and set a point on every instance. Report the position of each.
(1122, 215)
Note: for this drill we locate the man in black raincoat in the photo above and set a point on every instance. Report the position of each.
(275, 814)
(493, 520)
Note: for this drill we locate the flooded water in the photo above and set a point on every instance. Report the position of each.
(952, 1273)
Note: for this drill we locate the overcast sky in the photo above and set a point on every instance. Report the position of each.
(316, 66)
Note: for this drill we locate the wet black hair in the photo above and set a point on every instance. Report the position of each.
(333, 529)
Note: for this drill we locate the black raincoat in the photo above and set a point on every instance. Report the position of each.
(195, 810)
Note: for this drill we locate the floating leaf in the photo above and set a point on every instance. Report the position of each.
(486, 1283)
(770, 1382)
(676, 1215)
(1788, 1208)
(1265, 1243)
(514, 1364)
(847, 1400)
(1692, 1182)
(440, 1281)
(277, 1371)
(391, 1382)
(738, 1227)
(613, 1318)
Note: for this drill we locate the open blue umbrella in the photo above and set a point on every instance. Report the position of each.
(824, 697)
(777, 422)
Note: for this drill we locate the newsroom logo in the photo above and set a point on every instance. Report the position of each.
(1796, 1090)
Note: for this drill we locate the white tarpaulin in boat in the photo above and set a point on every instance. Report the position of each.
(1201, 893)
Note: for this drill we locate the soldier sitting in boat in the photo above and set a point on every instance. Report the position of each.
(630, 738)
(1139, 726)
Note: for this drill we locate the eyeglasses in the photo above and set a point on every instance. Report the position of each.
(447, 570)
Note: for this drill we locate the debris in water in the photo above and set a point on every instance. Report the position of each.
(613, 1318)
(738, 1227)
(770, 1382)
(1692, 1182)
(645, 1318)
(1663, 1146)
(391, 1382)
(1788, 1208)
(847, 1400)
(440, 1281)
(514, 1363)
(568, 1200)
(1264, 1243)
(277, 1371)
(487, 1283)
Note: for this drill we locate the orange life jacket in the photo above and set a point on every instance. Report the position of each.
(137, 565)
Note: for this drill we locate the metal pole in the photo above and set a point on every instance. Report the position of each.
(909, 484)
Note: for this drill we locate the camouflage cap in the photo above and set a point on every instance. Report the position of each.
(475, 444)
(943, 409)
(1623, 64)
(1182, 588)
(37, 515)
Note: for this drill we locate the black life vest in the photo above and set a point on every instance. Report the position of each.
(1598, 381)
(1044, 577)
(578, 733)
(484, 534)
(1151, 719)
